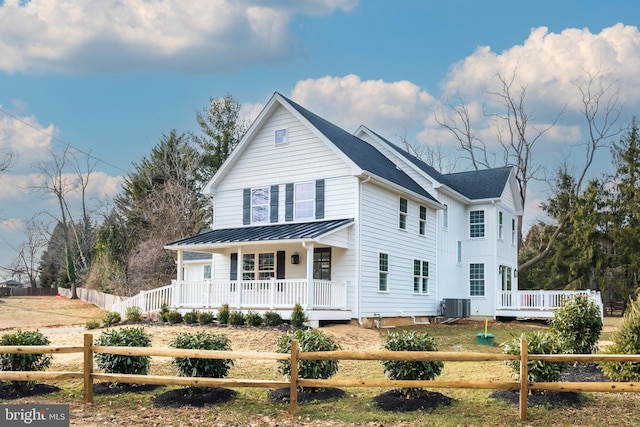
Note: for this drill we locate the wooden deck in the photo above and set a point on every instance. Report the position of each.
(538, 304)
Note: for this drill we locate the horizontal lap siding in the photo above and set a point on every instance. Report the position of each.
(452, 283)
(380, 233)
(304, 158)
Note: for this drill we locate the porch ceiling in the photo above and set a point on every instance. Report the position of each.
(303, 231)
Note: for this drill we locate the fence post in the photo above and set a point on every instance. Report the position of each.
(524, 377)
(293, 386)
(88, 368)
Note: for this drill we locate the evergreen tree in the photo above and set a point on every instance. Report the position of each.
(625, 212)
(222, 129)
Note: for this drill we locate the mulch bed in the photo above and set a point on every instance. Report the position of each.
(307, 394)
(396, 401)
(194, 396)
(107, 388)
(7, 392)
(582, 372)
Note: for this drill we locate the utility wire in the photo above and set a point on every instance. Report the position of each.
(54, 138)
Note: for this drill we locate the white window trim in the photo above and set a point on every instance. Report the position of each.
(403, 214)
(420, 291)
(313, 200)
(268, 204)
(500, 226)
(422, 223)
(484, 279)
(385, 291)
(445, 217)
(484, 224)
(283, 134)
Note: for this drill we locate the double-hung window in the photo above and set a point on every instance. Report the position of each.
(403, 211)
(260, 198)
(206, 272)
(304, 200)
(420, 277)
(476, 280)
(422, 225)
(476, 224)
(383, 272)
(513, 231)
(500, 226)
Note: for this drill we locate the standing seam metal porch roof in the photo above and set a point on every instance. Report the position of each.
(294, 231)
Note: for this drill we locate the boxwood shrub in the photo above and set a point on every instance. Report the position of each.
(124, 337)
(24, 362)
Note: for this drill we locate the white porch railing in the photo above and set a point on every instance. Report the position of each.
(541, 300)
(255, 295)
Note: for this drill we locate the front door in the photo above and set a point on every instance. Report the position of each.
(322, 264)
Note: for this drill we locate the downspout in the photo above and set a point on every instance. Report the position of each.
(498, 281)
(358, 286)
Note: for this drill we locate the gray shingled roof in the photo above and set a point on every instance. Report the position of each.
(362, 153)
(291, 231)
(475, 185)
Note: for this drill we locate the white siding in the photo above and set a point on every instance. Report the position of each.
(380, 233)
(304, 158)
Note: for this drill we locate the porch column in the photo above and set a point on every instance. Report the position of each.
(239, 279)
(177, 288)
(179, 275)
(309, 248)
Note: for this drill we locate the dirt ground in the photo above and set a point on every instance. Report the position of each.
(62, 321)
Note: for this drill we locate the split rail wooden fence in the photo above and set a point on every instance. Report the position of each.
(89, 376)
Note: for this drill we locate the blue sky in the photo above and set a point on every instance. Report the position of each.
(111, 77)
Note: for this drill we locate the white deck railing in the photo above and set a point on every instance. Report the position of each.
(255, 295)
(541, 300)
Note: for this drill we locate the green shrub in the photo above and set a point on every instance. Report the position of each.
(111, 318)
(577, 325)
(626, 340)
(271, 318)
(162, 314)
(191, 317)
(196, 367)
(308, 340)
(205, 317)
(223, 314)
(173, 317)
(404, 370)
(125, 337)
(92, 324)
(133, 314)
(297, 316)
(236, 318)
(253, 319)
(537, 343)
(24, 362)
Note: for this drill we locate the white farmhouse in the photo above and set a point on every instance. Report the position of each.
(352, 227)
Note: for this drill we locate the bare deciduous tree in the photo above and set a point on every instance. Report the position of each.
(28, 254)
(63, 176)
(601, 109)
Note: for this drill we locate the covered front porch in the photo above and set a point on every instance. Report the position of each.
(538, 304)
(261, 268)
(321, 299)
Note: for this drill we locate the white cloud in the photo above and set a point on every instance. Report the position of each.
(550, 64)
(11, 225)
(25, 138)
(83, 35)
(387, 107)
